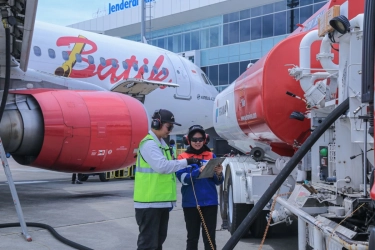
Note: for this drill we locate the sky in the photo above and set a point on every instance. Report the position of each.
(70, 11)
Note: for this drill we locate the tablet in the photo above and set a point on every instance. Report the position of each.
(209, 171)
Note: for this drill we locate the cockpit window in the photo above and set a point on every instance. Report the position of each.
(205, 79)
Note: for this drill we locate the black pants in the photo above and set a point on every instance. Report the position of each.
(153, 227)
(194, 224)
(74, 176)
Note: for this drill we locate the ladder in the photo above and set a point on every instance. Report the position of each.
(13, 191)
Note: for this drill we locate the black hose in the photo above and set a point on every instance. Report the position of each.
(7, 73)
(284, 173)
(52, 231)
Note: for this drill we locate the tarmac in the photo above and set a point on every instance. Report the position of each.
(98, 215)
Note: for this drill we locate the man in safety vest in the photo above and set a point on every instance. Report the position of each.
(155, 182)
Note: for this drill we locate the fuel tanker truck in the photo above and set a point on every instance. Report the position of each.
(303, 117)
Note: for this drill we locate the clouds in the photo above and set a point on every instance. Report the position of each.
(65, 12)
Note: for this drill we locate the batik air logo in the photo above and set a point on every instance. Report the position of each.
(222, 110)
(105, 68)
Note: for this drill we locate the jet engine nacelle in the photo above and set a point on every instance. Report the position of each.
(73, 131)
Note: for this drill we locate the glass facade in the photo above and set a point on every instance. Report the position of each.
(228, 43)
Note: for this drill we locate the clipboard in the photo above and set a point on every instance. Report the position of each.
(209, 171)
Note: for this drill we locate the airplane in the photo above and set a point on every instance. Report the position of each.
(81, 101)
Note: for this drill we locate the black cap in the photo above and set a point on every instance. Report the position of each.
(165, 116)
(196, 128)
(172, 142)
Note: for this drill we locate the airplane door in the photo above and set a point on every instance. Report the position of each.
(182, 78)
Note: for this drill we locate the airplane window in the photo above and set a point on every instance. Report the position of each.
(91, 59)
(78, 57)
(125, 65)
(51, 53)
(155, 70)
(37, 51)
(65, 55)
(114, 63)
(135, 66)
(103, 62)
(145, 67)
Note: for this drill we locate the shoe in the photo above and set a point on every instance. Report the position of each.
(78, 182)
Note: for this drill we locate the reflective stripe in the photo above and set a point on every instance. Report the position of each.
(183, 178)
(144, 170)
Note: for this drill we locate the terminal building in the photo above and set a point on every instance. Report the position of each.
(220, 36)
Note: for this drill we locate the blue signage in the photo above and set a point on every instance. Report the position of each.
(125, 4)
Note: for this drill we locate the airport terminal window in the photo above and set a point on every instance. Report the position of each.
(170, 43)
(214, 37)
(257, 11)
(305, 2)
(318, 6)
(267, 26)
(223, 74)
(37, 51)
(234, 71)
(186, 41)
(51, 53)
(225, 34)
(243, 66)
(245, 14)
(279, 6)
(234, 30)
(292, 19)
(161, 43)
(204, 38)
(245, 30)
(235, 16)
(213, 74)
(267, 9)
(256, 31)
(305, 13)
(279, 23)
(194, 40)
(177, 43)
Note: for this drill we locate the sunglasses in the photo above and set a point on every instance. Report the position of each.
(170, 127)
(197, 139)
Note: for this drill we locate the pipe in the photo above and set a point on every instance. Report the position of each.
(320, 228)
(284, 173)
(357, 22)
(365, 161)
(305, 58)
(325, 56)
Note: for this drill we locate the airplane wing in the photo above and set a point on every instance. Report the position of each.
(24, 12)
(139, 88)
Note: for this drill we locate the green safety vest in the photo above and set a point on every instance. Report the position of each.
(151, 186)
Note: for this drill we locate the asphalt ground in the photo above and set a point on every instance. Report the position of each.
(98, 215)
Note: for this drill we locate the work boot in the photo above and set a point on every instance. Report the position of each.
(78, 182)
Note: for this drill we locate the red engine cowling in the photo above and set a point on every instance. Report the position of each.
(86, 131)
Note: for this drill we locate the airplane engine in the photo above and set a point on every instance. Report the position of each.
(256, 105)
(73, 131)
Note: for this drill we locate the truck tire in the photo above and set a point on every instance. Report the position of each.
(236, 211)
(259, 226)
(103, 177)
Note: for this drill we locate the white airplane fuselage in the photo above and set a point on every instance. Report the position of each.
(102, 61)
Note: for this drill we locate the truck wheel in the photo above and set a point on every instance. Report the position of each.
(259, 225)
(236, 211)
(103, 177)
